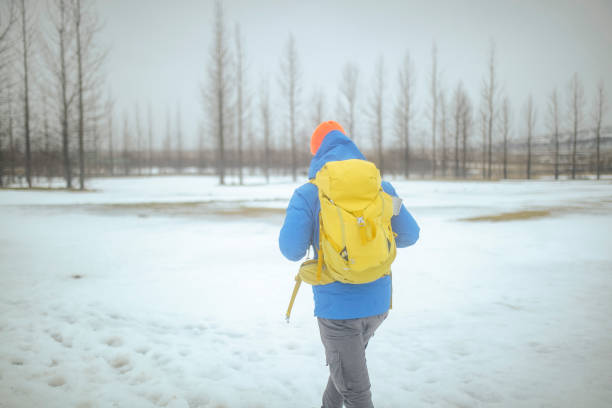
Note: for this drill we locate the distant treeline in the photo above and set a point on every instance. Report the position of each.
(56, 120)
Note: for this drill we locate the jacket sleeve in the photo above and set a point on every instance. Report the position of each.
(296, 234)
(403, 224)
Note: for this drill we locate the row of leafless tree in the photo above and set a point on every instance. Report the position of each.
(50, 80)
(69, 121)
(454, 117)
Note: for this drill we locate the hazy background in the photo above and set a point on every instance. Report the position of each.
(159, 284)
(159, 50)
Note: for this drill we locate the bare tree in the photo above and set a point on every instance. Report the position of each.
(348, 101)
(264, 102)
(530, 116)
(47, 142)
(483, 132)
(126, 145)
(179, 140)
(290, 84)
(26, 42)
(89, 61)
(443, 123)
(201, 142)
(404, 109)
(459, 106)
(94, 116)
(138, 134)
(505, 130)
(8, 17)
(12, 148)
(252, 154)
(553, 123)
(58, 51)
(108, 107)
(217, 94)
(599, 108)
(576, 105)
(168, 143)
(489, 94)
(150, 139)
(434, 104)
(77, 22)
(377, 110)
(466, 128)
(239, 101)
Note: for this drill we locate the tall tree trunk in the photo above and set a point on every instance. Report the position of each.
(150, 141)
(465, 123)
(220, 137)
(489, 94)
(65, 102)
(289, 83)
(434, 106)
(239, 102)
(577, 102)
(265, 118)
(126, 146)
(483, 129)
(554, 117)
(80, 94)
(379, 115)
(26, 97)
(47, 144)
(505, 131)
(443, 132)
(111, 164)
(574, 142)
(457, 117)
(179, 141)
(600, 103)
(531, 117)
(11, 144)
(597, 158)
(217, 94)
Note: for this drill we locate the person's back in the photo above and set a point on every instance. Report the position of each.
(348, 314)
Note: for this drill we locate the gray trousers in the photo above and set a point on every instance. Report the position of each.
(345, 342)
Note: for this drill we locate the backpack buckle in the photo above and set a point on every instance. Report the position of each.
(361, 222)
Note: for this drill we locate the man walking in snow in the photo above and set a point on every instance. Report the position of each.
(348, 314)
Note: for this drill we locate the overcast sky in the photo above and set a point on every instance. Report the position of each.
(159, 49)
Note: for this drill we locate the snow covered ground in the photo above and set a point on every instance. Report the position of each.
(171, 291)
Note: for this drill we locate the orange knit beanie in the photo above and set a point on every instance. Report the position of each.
(320, 132)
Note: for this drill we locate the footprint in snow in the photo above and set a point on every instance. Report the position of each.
(61, 340)
(121, 363)
(56, 381)
(142, 350)
(113, 341)
(16, 361)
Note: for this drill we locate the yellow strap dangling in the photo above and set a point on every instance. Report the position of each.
(391, 300)
(298, 281)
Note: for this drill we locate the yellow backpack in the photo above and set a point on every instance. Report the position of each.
(356, 242)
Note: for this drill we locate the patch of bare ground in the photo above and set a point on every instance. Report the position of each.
(193, 208)
(511, 216)
(38, 188)
(597, 207)
(250, 211)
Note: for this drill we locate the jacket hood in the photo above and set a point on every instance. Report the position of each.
(335, 146)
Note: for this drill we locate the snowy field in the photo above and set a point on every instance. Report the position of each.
(171, 292)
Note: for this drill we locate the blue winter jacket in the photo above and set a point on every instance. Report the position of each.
(300, 230)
